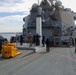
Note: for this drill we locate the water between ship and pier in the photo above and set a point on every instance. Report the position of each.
(8, 35)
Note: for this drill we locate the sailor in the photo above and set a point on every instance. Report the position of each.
(0, 45)
(21, 39)
(30, 39)
(43, 40)
(47, 45)
(37, 40)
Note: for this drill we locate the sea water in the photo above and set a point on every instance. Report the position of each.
(8, 35)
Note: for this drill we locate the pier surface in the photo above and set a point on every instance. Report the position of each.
(59, 61)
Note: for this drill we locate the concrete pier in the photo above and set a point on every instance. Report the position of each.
(59, 61)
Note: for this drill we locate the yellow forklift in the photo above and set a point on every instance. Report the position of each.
(9, 50)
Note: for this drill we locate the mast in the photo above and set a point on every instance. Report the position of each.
(38, 2)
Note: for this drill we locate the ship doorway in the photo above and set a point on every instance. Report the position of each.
(56, 41)
(52, 41)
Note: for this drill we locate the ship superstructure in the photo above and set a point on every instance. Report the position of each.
(57, 21)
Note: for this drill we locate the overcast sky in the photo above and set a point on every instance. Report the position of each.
(13, 11)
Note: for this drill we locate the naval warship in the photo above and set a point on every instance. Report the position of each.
(51, 19)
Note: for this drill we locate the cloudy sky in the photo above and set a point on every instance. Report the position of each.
(13, 11)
